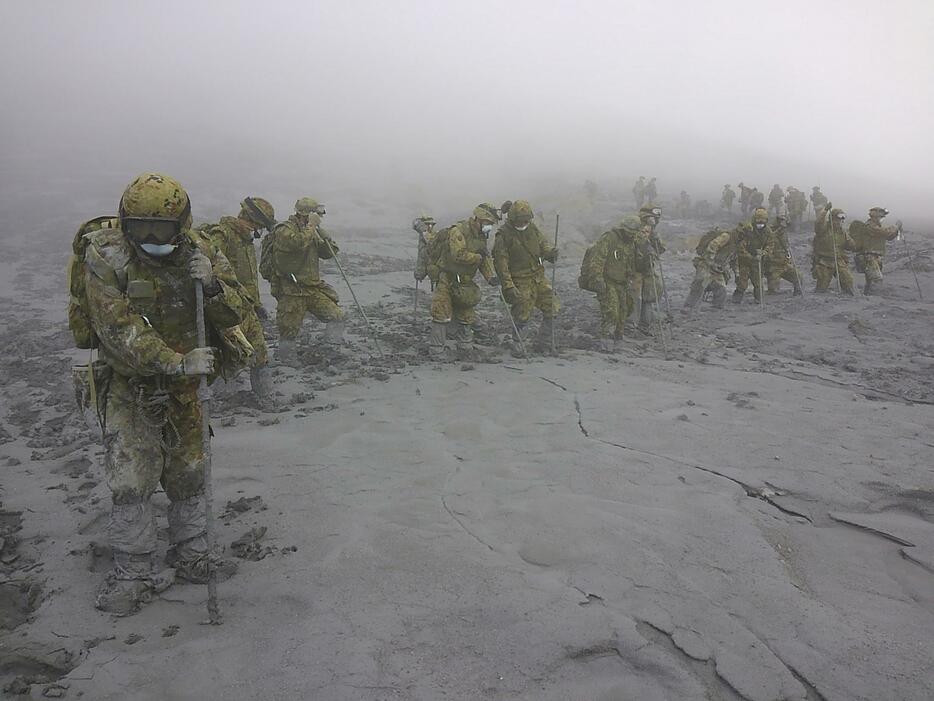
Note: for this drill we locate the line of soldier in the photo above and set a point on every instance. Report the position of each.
(794, 200)
(132, 284)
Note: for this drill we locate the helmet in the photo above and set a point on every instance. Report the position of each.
(881, 211)
(154, 209)
(781, 218)
(258, 211)
(487, 213)
(760, 216)
(504, 207)
(307, 205)
(630, 224)
(520, 213)
(651, 210)
(838, 213)
(423, 224)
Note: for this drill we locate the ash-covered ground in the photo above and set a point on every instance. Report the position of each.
(743, 512)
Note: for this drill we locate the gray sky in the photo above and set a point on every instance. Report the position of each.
(477, 95)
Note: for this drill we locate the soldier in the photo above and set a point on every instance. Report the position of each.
(831, 241)
(647, 285)
(297, 245)
(744, 193)
(726, 199)
(818, 199)
(754, 241)
(638, 191)
(461, 251)
(756, 199)
(870, 238)
(715, 252)
(651, 192)
(779, 265)
(425, 228)
(684, 205)
(610, 267)
(519, 254)
(234, 237)
(140, 287)
(775, 199)
(504, 209)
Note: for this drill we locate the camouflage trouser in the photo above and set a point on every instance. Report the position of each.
(748, 272)
(824, 272)
(151, 440)
(779, 269)
(706, 277)
(253, 330)
(453, 300)
(320, 301)
(872, 268)
(616, 304)
(534, 293)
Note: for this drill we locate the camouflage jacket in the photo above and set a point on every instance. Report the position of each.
(143, 309)
(781, 249)
(234, 238)
(825, 241)
(617, 256)
(520, 253)
(297, 250)
(719, 251)
(462, 257)
(776, 196)
(874, 237)
(749, 241)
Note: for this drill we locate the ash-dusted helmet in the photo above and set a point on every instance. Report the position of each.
(630, 224)
(259, 212)
(423, 224)
(153, 211)
(650, 211)
(307, 205)
(520, 214)
(760, 217)
(485, 213)
(878, 211)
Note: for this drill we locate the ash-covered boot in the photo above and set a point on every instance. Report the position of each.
(334, 333)
(287, 354)
(261, 384)
(738, 295)
(463, 336)
(437, 341)
(719, 297)
(189, 552)
(520, 343)
(545, 331)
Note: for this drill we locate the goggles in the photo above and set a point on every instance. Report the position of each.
(151, 229)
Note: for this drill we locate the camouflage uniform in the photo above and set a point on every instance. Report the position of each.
(818, 199)
(519, 259)
(651, 192)
(457, 294)
(142, 309)
(756, 199)
(711, 268)
(616, 256)
(776, 196)
(870, 241)
(638, 191)
(647, 283)
(744, 194)
(424, 227)
(297, 245)
(751, 241)
(726, 199)
(779, 265)
(824, 265)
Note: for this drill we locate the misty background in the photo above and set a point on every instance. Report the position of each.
(437, 105)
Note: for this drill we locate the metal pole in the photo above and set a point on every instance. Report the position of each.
(204, 396)
(512, 321)
(554, 269)
(354, 295)
(911, 265)
(415, 307)
(661, 274)
(833, 243)
(658, 310)
(761, 285)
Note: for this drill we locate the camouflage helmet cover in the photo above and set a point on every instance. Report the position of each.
(504, 207)
(157, 196)
(306, 205)
(630, 223)
(878, 210)
(760, 216)
(650, 210)
(259, 211)
(486, 213)
(520, 212)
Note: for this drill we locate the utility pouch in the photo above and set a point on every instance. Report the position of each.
(91, 382)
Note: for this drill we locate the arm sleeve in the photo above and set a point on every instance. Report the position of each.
(123, 333)
(326, 247)
(717, 243)
(597, 262)
(501, 261)
(292, 239)
(457, 247)
(486, 268)
(224, 309)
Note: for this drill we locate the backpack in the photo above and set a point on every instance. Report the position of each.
(79, 320)
(586, 280)
(267, 263)
(435, 248)
(705, 241)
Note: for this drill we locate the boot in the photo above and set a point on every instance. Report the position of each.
(261, 382)
(520, 343)
(543, 339)
(606, 345)
(334, 333)
(738, 295)
(797, 290)
(437, 341)
(189, 552)
(694, 297)
(719, 297)
(463, 335)
(287, 355)
(649, 320)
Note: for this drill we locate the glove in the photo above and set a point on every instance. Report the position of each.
(419, 275)
(759, 254)
(511, 294)
(199, 267)
(551, 256)
(199, 361)
(493, 281)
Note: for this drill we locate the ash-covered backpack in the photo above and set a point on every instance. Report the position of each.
(436, 246)
(586, 280)
(267, 263)
(79, 320)
(705, 240)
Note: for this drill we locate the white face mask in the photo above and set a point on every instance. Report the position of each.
(158, 250)
(760, 226)
(486, 229)
(522, 228)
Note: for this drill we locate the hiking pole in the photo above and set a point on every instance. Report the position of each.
(833, 243)
(661, 274)
(911, 264)
(794, 266)
(415, 306)
(554, 269)
(658, 311)
(512, 321)
(204, 396)
(353, 294)
(761, 286)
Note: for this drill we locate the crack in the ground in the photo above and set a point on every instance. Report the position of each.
(552, 382)
(756, 493)
(464, 528)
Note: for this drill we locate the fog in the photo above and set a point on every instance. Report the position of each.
(444, 102)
